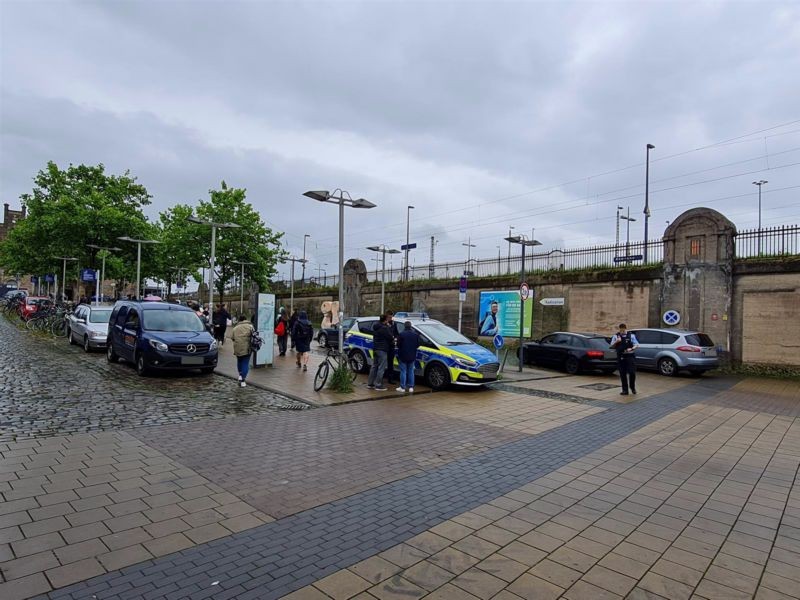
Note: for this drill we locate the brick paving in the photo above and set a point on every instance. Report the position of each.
(548, 490)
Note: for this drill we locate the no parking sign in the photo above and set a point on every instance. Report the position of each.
(671, 317)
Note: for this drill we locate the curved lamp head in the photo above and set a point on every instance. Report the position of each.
(362, 203)
(320, 195)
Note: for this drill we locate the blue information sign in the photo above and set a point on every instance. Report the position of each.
(408, 246)
(88, 275)
(498, 341)
(50, 278)
(462, 285)
(631, 258)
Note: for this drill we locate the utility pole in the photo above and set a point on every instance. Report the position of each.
(628, 218)
(303, 276)
(431, 268)
(511, 227)
(616, 242)
(469, 246)
(408, 231)
(759, 184)
(293, 260)
(647, 200)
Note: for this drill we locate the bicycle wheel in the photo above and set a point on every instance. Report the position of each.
(59, 328)
(322, 376)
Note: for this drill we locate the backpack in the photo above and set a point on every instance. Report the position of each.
(255, 341)
(305, 330)
(280, 328)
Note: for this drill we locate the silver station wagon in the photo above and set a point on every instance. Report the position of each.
(670, 351)
(88, 326)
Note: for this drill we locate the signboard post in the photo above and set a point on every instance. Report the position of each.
(498, 342)
(265, 325)
(462, 296)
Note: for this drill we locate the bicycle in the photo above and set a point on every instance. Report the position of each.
(333, 360)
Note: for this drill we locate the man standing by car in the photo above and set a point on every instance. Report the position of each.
(391, 376)
(625, 344)
(407, 344)
(382, 339)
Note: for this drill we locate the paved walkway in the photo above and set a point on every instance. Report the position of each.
(548, 486)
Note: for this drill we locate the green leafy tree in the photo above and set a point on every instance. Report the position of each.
(180, 254)
(252, 241)
(71, 208)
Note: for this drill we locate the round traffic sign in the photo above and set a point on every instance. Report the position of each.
(671, 317)
(498, 341)
(524, 291)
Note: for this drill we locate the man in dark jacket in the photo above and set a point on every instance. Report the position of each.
(407, 344)
(382, 340)
(292, 320)
(391, 375)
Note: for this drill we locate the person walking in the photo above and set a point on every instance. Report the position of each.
(282, 331)
(302, 334)
(407, 344)
(220, 319)
(292, 320)
(241, 347)
(382, 339)
(625, 343)
(391, 376)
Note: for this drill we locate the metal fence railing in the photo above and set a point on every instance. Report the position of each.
(765, 242)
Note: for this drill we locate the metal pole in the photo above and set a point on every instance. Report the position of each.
(241, 291)
(138, 268)
(211, 272)
(383, 279)
(303, 276)
(628, 234)
(646, 201)
(508, 271)
(64, 282)
(102, 276)
(97, 290)
(408, 229)
(341, 272)
(291, 293)
(521, 305)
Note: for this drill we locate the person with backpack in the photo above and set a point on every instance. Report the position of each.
(407, 344)
(302, 334)
(282, 331)
(242, 347)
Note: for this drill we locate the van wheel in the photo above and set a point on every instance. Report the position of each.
(571, 365)
(111, 356)
(438, 376)
(358, 362)
(667, 367)
(141, 365)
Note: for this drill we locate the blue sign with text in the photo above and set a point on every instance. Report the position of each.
(88, 275)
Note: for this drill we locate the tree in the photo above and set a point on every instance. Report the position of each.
(252, 242)
(180, 254)
(68, 209)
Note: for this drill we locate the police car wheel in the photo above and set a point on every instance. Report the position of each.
(668, 367)
(438, 376)
(358, 362)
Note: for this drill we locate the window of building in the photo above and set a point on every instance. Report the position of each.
(694, 248)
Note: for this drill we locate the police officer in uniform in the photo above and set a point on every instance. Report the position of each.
(625, 344)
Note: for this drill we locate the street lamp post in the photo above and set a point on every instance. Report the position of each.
(293, 259)
(628, 218)
(408, 231)
(510, 228)
(212, 265)
(646, 200)
(326, 196)
(520, 239)
(138, 258)
(759, 183)
(384, 251)
(105, 251)
(241, 283)
(303, 276)
(63, 277)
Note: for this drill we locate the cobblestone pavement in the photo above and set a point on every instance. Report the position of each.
(507, 494)
(48, 387)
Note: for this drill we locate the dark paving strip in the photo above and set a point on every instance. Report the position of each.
(554, 395)
(277, 558)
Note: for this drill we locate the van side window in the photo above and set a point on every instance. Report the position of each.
(133, 319)
(121, 315)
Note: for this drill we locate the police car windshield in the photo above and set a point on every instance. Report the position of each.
(442, 334)
(171, 320)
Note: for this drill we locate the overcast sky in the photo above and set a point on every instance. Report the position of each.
(482, 115)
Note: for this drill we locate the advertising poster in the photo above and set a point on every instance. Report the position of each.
(265, 325)
(499, 313)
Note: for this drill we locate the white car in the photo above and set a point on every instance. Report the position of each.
(88, 326)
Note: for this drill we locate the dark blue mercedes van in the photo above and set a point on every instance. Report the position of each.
(157, 335)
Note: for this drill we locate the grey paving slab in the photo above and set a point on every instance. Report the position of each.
(435, 495)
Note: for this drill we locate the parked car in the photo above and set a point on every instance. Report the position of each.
(670, 351)
(158, 335)
(573, 352)
(88, 325)
(329, 336)
(444, 356)
(13, 293)
(32, 305)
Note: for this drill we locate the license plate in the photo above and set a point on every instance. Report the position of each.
(192, 360)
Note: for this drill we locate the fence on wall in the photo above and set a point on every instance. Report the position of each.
(766, 242)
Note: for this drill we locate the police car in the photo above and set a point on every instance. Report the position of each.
(444, 356)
